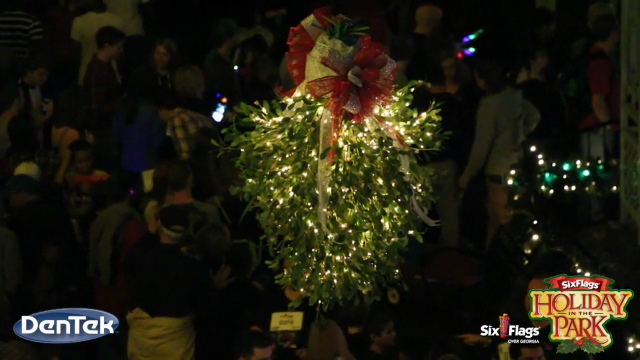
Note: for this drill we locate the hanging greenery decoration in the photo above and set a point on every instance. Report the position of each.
(331, 167)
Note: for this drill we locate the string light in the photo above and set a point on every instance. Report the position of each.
(633, 345)
(554, 178)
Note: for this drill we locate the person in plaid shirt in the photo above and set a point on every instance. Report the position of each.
(184, 124)
(183, 127)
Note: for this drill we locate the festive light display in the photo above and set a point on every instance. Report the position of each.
(469, 51)
(469, 38)
(633, 345)
(537, 178)
(555, 177)
(337, 190)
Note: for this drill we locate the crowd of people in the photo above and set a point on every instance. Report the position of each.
(114, 197)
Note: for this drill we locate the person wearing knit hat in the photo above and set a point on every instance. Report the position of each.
(29, 168)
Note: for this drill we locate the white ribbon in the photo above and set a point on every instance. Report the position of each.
(313, 26)
(405, 168)
(324, 169)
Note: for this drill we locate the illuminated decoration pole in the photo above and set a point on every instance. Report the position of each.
(331, 166)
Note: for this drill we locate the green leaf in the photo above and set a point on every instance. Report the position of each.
(592, 348)
(325, 153)
(567, 347)
(214, 143)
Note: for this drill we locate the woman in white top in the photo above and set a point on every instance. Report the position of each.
(503, 121)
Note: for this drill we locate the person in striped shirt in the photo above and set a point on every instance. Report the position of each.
(20, 32)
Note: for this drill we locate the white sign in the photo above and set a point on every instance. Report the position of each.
(287, 321)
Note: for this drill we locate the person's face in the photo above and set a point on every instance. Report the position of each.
(541, 61)
(84, 162)
(532, 354)
(450, 68)
(116, 50)
(262, 354)
(161, 57)
(37, 77)
(387, 337)
(482, 84)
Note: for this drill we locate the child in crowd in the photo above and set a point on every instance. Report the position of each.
(82, 181)
(83, 176)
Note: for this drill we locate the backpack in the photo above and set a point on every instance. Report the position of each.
(574, 83)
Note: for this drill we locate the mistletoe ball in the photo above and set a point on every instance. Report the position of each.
(331, 167)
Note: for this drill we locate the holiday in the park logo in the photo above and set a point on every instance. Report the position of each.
(578, 308)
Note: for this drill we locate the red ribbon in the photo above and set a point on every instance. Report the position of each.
(375, 90)
(300, 45)
(376, 87)
(579, 283)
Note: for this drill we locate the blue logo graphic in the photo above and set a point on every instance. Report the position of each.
(66, 326)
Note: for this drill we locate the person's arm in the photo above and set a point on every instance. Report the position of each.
(600, 72)
(485, 131)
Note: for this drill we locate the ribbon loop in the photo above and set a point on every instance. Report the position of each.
(353, 76)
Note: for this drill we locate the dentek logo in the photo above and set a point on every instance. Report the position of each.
(66, 326)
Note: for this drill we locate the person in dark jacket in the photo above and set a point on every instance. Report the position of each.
(443, 162)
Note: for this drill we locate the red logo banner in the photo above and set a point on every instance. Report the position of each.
(577, 283)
